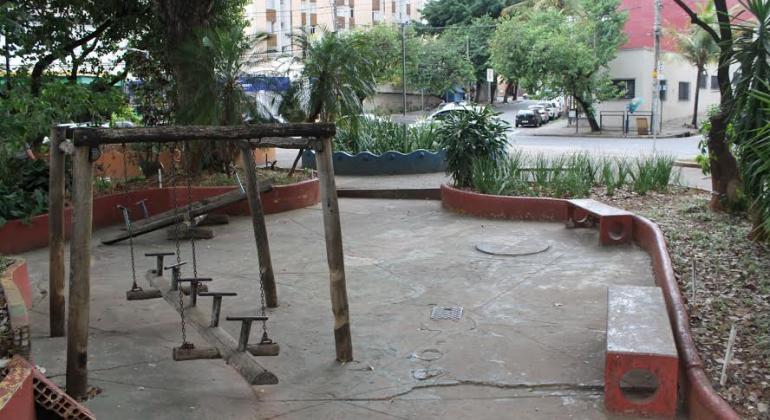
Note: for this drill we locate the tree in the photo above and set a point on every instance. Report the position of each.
(473, 41)
(751, 112)
(381, 46)
(437, 65)
(697, 47)
(53, 31)
(441, 13)
(725, 176)
(572, 50)
(179, 22)
(335, 76)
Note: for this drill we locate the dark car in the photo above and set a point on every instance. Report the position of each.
(528, 118)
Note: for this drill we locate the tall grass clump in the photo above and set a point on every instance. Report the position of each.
(571, 175)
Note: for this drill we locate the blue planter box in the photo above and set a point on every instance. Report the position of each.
(389, 163)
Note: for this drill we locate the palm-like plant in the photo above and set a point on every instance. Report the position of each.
(216, 60)
(751, 109)
(335, 79)
(699, 48)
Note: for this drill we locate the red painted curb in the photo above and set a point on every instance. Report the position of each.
(700, 398)
(17, 237)
(19, 275)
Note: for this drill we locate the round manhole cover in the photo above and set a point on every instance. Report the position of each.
(513, 249)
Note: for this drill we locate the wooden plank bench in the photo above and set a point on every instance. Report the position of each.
(641, 364)
(615, 225)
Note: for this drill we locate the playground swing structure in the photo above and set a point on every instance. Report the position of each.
(84, 149)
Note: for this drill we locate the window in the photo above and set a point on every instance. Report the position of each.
(663, 90)
(684, 91)
(714, 83)
(703, 79)
(627, 88)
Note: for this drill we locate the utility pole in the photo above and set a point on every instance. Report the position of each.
(403, 62)
(334, 15)
(656, 114)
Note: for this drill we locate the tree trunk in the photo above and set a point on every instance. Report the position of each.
(516, 91)
(181, 18)
(492, 93)
(589, 114)
(697, 96)
(725, 178)
(478, 92)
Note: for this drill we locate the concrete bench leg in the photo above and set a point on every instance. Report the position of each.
(616, 230)
(661, 402)
(578, 218)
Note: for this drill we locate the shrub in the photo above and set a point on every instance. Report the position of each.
(467, 136)
(23, 189)
(380, 135)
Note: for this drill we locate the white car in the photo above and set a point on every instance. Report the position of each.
(552, 114)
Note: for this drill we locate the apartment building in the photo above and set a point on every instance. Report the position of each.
(280, 18)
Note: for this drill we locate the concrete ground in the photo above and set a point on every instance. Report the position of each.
(530, 343)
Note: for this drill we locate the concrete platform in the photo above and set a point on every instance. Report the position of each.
(530, 343)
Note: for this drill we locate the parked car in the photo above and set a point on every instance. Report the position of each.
(543, 112)
(528, 118)
(445, 110)
(550, 107)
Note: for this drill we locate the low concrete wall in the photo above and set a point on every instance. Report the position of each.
(700, 398)
(390, 163)
(16, 236)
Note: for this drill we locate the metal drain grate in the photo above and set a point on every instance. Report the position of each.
(453, 313)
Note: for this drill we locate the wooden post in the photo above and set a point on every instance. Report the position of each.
(260, 229)
(334, 254)
(80, 276)
(56, 306)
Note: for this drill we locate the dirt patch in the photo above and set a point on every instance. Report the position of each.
(732, 286)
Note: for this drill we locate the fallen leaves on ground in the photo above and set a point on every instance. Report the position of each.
(731, 275)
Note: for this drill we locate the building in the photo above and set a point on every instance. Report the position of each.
(280, 18)
(632, 68)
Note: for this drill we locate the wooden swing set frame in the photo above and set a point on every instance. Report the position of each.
(83, 145)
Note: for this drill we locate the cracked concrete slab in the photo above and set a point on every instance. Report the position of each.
(530, 343)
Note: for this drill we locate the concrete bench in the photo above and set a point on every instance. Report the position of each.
(615, 225)
(641, 365)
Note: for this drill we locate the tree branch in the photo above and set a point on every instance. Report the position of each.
(698, 21)
(43, 63)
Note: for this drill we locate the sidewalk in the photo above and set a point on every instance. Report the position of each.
(560, 128)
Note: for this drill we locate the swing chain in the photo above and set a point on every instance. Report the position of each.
(190, 209)
(134, 286)
(185, 344)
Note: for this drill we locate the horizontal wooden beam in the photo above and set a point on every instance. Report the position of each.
(242, 361)
(286, 143)
(279, 135)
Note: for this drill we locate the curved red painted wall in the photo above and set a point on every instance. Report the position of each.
(701, 399)
(16, 236)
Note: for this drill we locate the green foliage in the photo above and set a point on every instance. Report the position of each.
(25, 119)
(570, 175)
(475, 39)
(23, 189)
(467, 136)
(452, 12)
(381, 46)
(336, 77)
(438, 64)
(751, 113)
(378, 136)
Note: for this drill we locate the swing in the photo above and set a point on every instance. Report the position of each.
(187, 350)
(136, 292)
